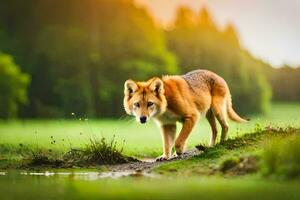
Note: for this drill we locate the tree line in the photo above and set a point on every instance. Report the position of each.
(71, 56)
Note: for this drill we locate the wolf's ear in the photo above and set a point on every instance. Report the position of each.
(157, 86)
(130, 87)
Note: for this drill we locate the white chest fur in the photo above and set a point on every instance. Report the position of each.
(168, 117)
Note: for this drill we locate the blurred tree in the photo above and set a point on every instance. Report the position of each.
(285, 82)
(185, 18)
(68, 68)
(13, 87)
(131, 46)
(79, 53)
(202, 45)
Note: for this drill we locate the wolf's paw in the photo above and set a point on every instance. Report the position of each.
(179, 150)
(162, 158)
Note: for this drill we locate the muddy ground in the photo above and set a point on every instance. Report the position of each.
(146, 165)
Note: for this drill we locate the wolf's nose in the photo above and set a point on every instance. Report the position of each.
(143, 119)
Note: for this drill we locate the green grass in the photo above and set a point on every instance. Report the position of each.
(28, 187)
(202, 177)
(140, 140)
(281, 158)
(188, 179)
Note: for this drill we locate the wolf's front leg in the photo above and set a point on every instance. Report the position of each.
(168, 135)
(187, 127)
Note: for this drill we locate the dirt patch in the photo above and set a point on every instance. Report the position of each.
(144, 166)
(84, 158)
(74, 159)
(45, 161)
(239, 166)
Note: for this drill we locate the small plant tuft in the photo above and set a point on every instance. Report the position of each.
(100, 151)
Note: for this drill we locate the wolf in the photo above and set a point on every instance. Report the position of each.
(181, 98)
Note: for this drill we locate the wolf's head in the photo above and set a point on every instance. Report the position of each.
(144, 99)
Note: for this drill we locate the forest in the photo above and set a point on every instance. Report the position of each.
(60, 56)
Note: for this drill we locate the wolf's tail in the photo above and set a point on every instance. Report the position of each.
(232, 114)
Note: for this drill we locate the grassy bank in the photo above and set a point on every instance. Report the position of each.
(271, 152)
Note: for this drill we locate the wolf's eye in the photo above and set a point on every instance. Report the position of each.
(136, 104)
(149, 103)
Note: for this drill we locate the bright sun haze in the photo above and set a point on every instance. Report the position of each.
(269, 29)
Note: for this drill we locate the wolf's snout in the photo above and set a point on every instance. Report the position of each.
(143, 119)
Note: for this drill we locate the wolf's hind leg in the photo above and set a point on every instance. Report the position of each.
(220, 111)
(212, 122)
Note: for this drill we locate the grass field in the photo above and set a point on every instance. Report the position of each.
(139, 140)
(182, 179)
(197, 178)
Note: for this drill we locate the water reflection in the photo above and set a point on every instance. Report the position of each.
(87, 175)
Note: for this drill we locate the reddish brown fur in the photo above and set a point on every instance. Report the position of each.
(184, 99)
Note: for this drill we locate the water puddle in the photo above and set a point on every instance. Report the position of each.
(88, 175)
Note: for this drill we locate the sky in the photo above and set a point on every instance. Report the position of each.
(268, 29)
